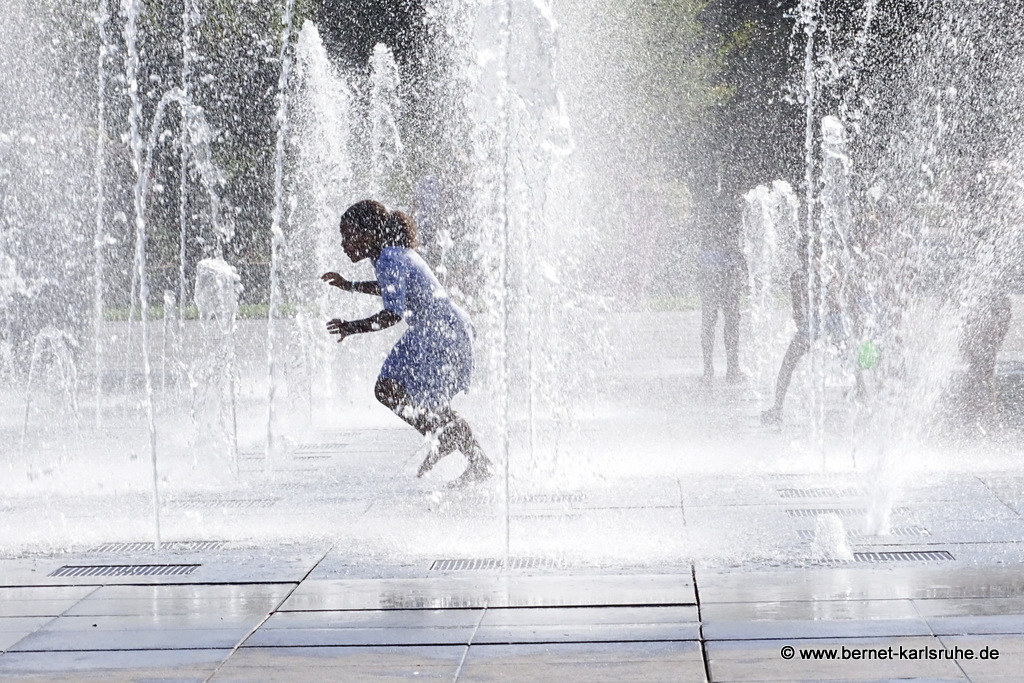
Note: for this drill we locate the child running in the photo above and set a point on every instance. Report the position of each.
(433, 360)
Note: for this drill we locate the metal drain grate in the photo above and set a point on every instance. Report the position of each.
(842, 512)
(816, 512)
(145, 547)
(901, 531)
(547, 498)
(904, 556)
(490, 563)
(777, 476)
(215, 504)
(819, 493)
(302, 486)
(126, 570)
(319, 447)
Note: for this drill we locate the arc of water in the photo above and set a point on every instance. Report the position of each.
(59, 344)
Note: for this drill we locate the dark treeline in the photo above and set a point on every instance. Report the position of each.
(751, 130)
(756, 128)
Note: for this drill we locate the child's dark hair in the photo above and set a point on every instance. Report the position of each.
(388, 228)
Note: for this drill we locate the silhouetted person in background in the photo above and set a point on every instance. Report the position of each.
(721, 277)
(810, 325)
(981, 338)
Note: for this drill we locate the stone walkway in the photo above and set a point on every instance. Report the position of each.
(666, 536)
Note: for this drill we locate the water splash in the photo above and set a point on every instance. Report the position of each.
(277, 237)
(770, 225)
(387, 152)
(131, 9)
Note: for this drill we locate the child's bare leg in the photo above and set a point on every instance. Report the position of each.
(708, 319)
(731, 334)
(453, 433)
(797, 348)
(394, 396)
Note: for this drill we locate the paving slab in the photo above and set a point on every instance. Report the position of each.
(368, 628)
(859, 583)
(14, 629)
(138, 632)
(986, 668)
(491, 591)
(357, 664)
(240, 566)
(140, 665)
(585, 662)
(226, 601)
(746, 661)
(29, 601)
(587, 625)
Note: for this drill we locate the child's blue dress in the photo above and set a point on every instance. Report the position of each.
(433, 360)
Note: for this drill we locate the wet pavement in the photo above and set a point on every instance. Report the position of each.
(935, 597)
(650, 552)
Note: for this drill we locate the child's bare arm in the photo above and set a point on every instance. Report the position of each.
(378, 321)
(336, 280)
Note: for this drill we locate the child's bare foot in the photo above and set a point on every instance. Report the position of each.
(735, 377)
(433, 456)
(479, 469)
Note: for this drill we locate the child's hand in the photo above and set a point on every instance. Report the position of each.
(341, 328)
(336, 280)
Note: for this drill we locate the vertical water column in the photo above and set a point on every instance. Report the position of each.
(189, 19)
(131, 10)
(101, 17)
(477, 38)
(838, 266)
(807, 18)
(387, 153)
(540, 139)
(770, 221)
(836, 213)
(277, 240)
(320, 185)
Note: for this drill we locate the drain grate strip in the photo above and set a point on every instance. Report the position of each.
(126, 570)
(902, 531)
(548, 498)
(842, 512)
(820, 493)
(904, 556)
(214, 504)
(315, 447)
(816, 512)
(143, 547)
(490, 563)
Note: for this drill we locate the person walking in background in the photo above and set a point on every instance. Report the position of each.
(721, 275)
(433, 360)
(810, 325)
(981, 338)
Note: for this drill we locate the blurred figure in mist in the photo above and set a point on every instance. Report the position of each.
(721, 279)
(994, 193)
(810, 324)
(427, 195)
(981, 338)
